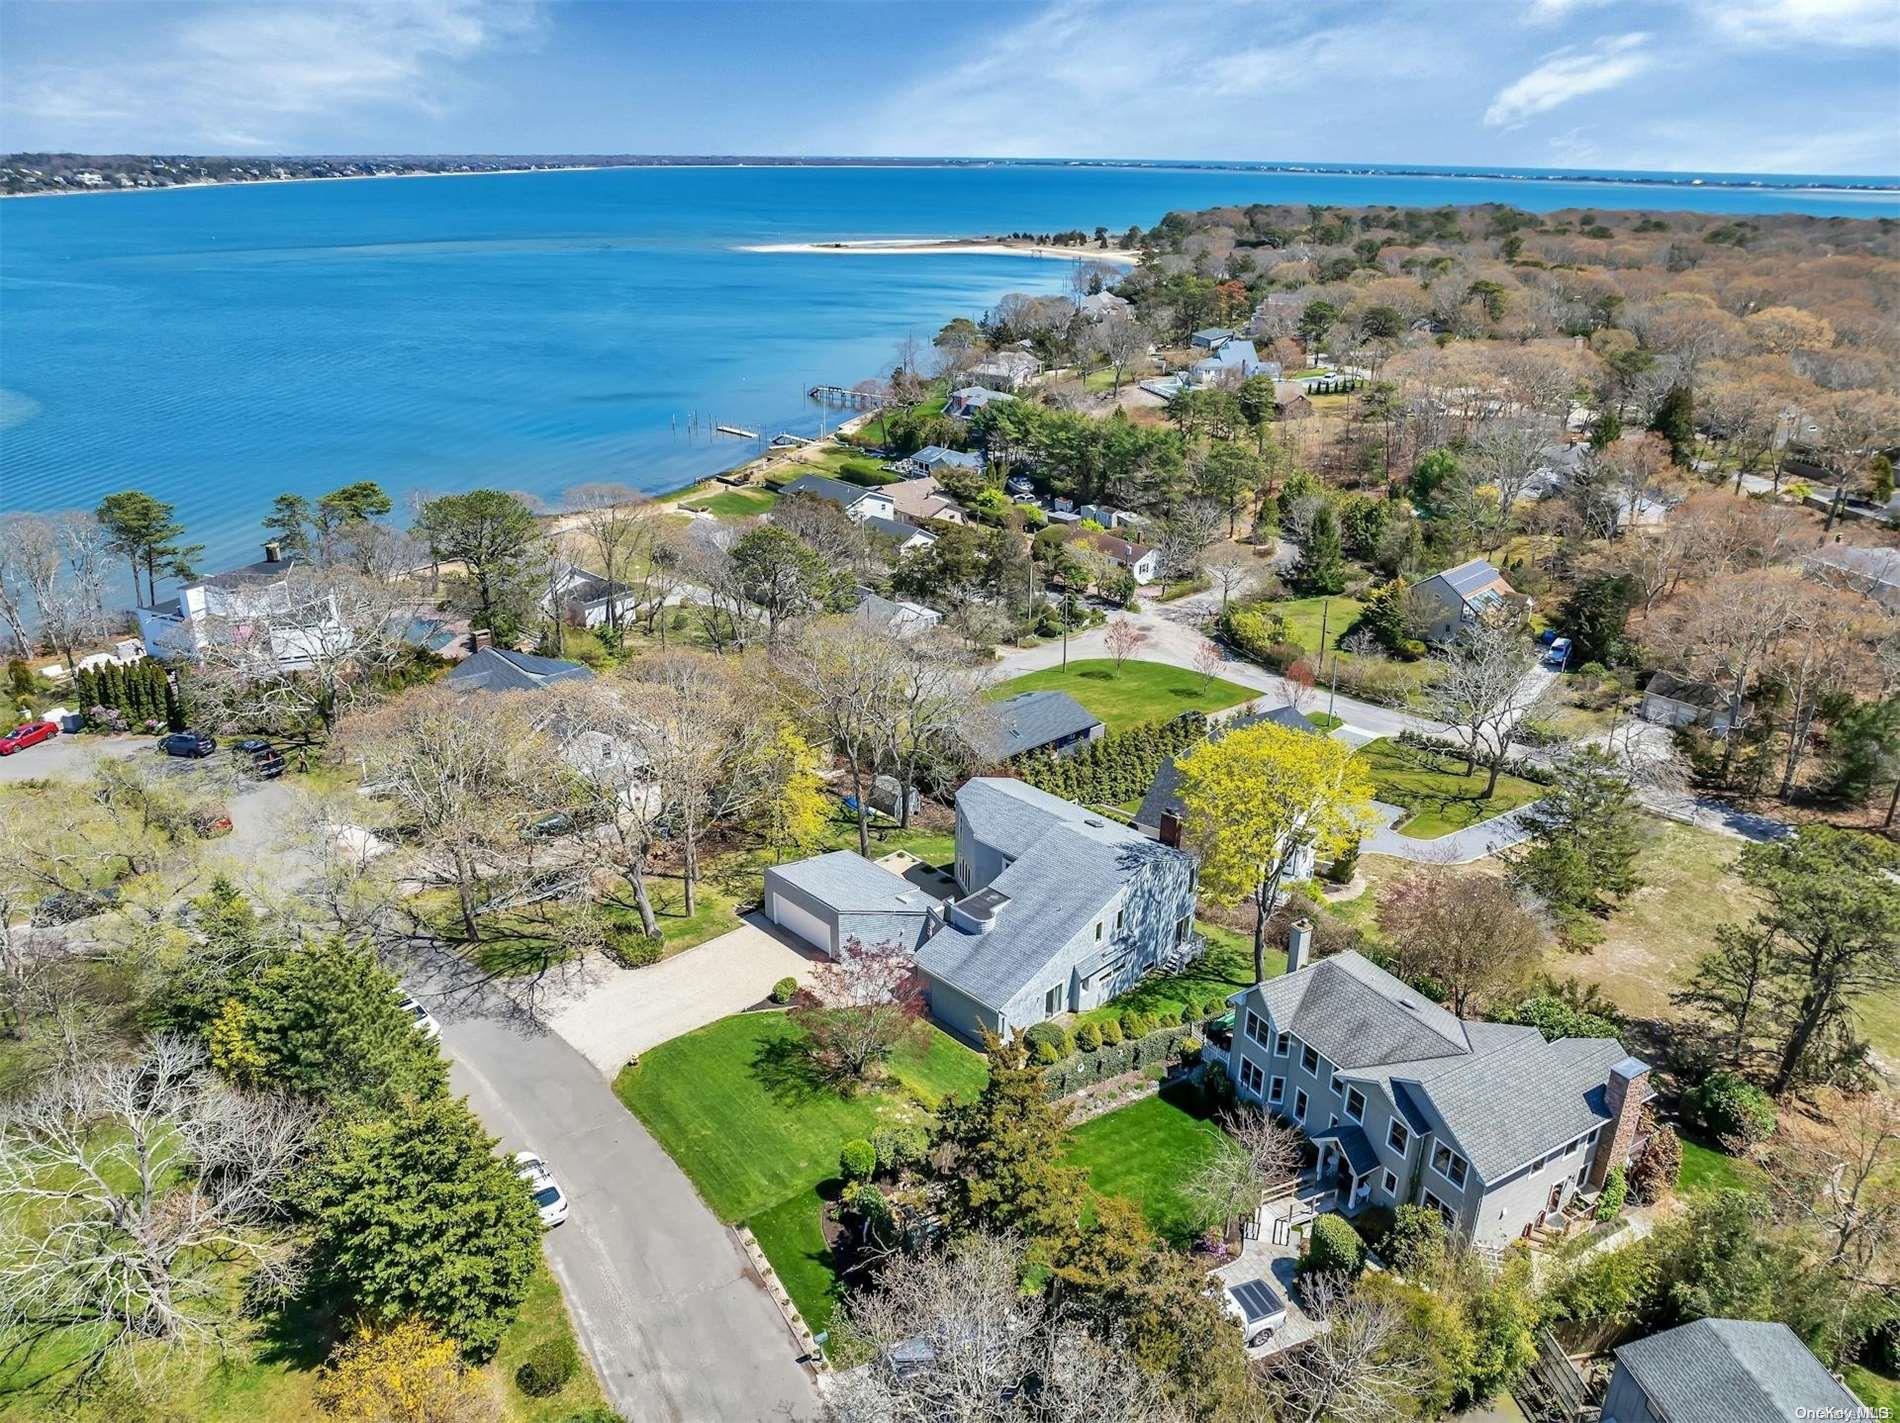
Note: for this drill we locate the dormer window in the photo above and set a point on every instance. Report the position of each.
(1282, 1044)
(1397, 1137)
(1449, 1164)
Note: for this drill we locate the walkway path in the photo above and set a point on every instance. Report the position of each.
(1461, 847)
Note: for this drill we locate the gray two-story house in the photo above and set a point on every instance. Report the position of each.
(1487, 1123)
(1058, 909)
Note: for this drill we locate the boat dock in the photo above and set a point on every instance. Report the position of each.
(838, 395)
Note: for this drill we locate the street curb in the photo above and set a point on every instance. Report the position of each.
(814, 1356)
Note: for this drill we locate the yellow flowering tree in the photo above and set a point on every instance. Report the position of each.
(1254, 799)
(408, 1373)
(791, 794)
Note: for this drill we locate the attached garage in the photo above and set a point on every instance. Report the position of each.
(829, 900)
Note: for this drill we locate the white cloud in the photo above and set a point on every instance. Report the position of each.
(1853, 24)
(248, 77)
(1544, 12)
(1570, 74)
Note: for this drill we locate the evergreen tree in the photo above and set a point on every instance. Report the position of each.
(1675, 422)
(1594, 616)
(417, 1217)
(1321, 567)
(1585, 834)
(1003, 1150)
(1863, 749)
(1383, 616)
(289, 520)
(327, 1021)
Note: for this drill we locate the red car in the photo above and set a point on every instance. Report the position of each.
(28, 733)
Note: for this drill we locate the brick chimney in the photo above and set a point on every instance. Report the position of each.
(273, 552)
(1624, 1094)
(478, 638)
(1299, 941)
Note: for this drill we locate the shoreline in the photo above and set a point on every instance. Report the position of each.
(953, 246)
(114, 190)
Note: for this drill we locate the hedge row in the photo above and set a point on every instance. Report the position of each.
(1161, 1046)
(139, 693)
(1117, 767)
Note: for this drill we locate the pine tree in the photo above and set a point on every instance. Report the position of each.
(1675, 422)
(1321, 568)
(1585, 835)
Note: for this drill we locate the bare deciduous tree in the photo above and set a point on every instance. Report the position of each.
(1484, 695)
(1232, 569)
(1841, 1181)
(129, 1190)
(1123, 638)
(1467, 932)
(1351, 1369)
(1253, 1153)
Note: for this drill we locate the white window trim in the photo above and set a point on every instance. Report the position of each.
(1283, 1044)
(1391, 1183)
(1276, 1090)
(1396, 1126)
(1360, 1115)
(1300, 1104)
(1448, 1178)
(1312, 1071)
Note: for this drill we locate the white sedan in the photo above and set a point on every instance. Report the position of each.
(430, 1028)
(549, 1199)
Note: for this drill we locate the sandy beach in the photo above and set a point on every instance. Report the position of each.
(956, 246)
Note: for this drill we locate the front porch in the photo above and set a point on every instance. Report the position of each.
(1347, 1165)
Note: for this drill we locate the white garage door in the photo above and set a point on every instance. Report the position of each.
(802, 922)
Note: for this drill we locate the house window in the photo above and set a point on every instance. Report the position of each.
(1333, 1081)
(1397, 1137)
(1444, 1211)
(1355, 1104)
(1281, 1045)
(1309, 1059)
(1051, 999)
(1256, 1029)
(1120, 915)
(1183, 928)
(1299, 1104)
(1276, 1090)
(1391, 1184)
(1250, 1075)
(1449, 1164)
(1098, 931)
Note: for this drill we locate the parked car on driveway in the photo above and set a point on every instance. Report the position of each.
(428, 1025)
(548, 1199)
(257, 757)
(27, 733)
(193, 744)
(68, 906)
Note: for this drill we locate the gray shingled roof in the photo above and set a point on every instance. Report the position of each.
(891, 528)
(1352, 1142)
(1505, 1096)
(1068, 864)
(497, 669)
(1161, 796)
(838, 491)
(851, 884)
(1738, 1370)
(1031, 719)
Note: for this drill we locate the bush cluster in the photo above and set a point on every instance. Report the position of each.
(1615, 1192)
(857, 1159)
(900, 1146)
(1118, 766)
(783, 990)
(1335, 1247)
(632, 949)
(140, 693)
(1517, 766)
(548, 1367)
(1734, 1111)
(1157, 1048)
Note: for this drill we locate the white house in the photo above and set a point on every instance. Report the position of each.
(302, 622)
(857, 502)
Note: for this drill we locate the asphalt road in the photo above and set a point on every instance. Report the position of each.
(69, 757)
(677, 1324)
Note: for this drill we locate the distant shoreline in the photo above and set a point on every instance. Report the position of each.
(104, 191)
(954, 246)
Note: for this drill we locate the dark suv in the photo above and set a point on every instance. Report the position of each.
(194, 744)
(257, 757)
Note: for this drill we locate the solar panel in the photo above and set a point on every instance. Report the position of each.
(1257, 1300)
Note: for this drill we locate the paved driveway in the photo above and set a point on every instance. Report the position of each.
(69, 757)
(677, 1324)
(627, 1011)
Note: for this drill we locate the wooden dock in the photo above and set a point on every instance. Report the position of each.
(838, 395)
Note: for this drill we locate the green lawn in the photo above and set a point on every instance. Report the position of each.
(1705, 1168)
(734, 1107)
(1147, 1152)
(1139, 692)
(735, 503)
(1437, 792)
(1874, 1389)
(1226, 968)
(1305, 617)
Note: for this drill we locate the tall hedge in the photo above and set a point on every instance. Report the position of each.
(1112, 1060)
(1117, 767)
(139, 692)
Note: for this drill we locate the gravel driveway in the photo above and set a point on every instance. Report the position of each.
(630, 1010)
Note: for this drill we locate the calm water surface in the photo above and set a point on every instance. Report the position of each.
(217, 346)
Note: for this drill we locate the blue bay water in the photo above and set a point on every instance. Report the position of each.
(218, 346)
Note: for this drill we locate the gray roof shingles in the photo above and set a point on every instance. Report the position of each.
(851, 884)
(1739, 1370)
(497, 669)
(1032, 719)
(823, 486)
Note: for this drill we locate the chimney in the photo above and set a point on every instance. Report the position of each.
(1624, 1094)
(1298, 941)
(273, 552)
(479, 638)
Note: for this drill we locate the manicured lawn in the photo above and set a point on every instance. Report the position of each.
(1437, 792)
(1305, 617)
(1704, 1168)
(1147, 1152)
(757, 1136)
(1139, 692)
(1226, 968)
(735, 503)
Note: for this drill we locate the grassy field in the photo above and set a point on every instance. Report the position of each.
(1305, 617)
(1147, 1152)
(1874, 1390)
(734, 503)
(1140, 691)
(272, 1380)
(1705, 1168)
(1226, 968)
(734, 1105)
(1437, 792)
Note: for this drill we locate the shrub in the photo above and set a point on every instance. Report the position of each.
(783, 990)
(1130, 1024)
(548, 1367)
(1335, 1247)
(1736, 1112)
(1653, 1174)
(631, 949)
(1345, 865)
(1217, 1088)
(597, 1413)
(1415, 1240)
(1050, 1036)
(857, 1159)
(1191, 1050)
(1088, 1037)
(900, 1146)
(1186, 1016)
(1615, 1188)
(1044, 1054)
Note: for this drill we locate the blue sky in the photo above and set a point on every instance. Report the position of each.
(1779, 86)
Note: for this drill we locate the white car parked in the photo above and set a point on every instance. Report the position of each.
(549, 1199)
(430, 1028)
